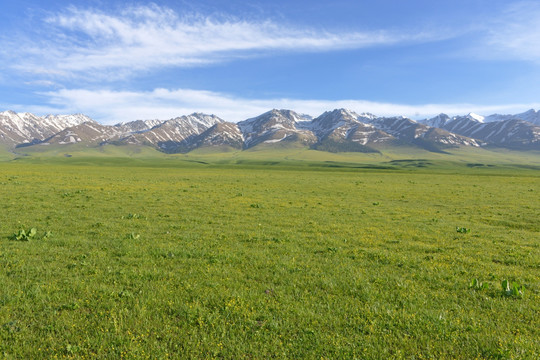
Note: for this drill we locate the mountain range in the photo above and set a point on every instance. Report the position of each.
(337, 130)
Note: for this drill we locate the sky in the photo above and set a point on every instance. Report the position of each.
(118, 61)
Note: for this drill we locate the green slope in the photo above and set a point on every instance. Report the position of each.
(389, 157)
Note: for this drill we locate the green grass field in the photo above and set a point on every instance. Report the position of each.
(256, 255)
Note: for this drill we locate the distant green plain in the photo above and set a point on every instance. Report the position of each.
(288, 253)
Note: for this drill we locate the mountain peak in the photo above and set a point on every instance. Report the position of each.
(341, 126)
(8, 113)
(275, 126)
(438, 121)
(345, 112)
(25, 127)
(476, 117)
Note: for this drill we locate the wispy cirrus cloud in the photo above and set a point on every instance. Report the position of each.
(92, 43)
(514, 33)
(116, 106)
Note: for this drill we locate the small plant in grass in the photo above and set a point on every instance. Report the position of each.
(24, 235)
(477, 284)
(462, 230)
(134, 236)
(11, 327)
(132, 216)
(72, 349)
(513, 289)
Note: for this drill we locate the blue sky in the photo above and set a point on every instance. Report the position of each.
(126, 60)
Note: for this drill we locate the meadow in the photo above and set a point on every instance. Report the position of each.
(248, 257)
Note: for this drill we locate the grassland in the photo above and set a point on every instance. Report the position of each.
(251, 255)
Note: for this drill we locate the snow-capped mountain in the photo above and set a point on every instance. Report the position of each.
(221, 134)
(276, 126)
(476, 117)
(20, 128)
(438, 121)
(509, 132)
(343, 124)
(411, 131)
(446, 122)
(173, 134)
(513, 133)
(138, 125)
(531, 116)
(336, 122)
(88, 133)
(337, 130)
(341, 128)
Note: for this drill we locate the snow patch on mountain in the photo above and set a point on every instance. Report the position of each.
(19, 128)
(339, 126)
(275, 126)
(531, 116)
(476, 117)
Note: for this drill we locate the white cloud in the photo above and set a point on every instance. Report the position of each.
(515, 33)
(110, 107)
(43, 83)
(91, 43)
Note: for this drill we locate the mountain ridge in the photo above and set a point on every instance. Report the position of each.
(339, 129)
(511, 132)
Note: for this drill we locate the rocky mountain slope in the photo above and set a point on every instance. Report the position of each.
(21, 128)
(511, 132)
(342, 124)
(408, 130)
(275, 126)
(220, 134)
(337, 130)
(531, 116)
(172, 135)
(138, 126)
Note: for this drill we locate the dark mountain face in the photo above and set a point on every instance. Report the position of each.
(511, 132)
(339, 130)
(275, 126)
(221, 134)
